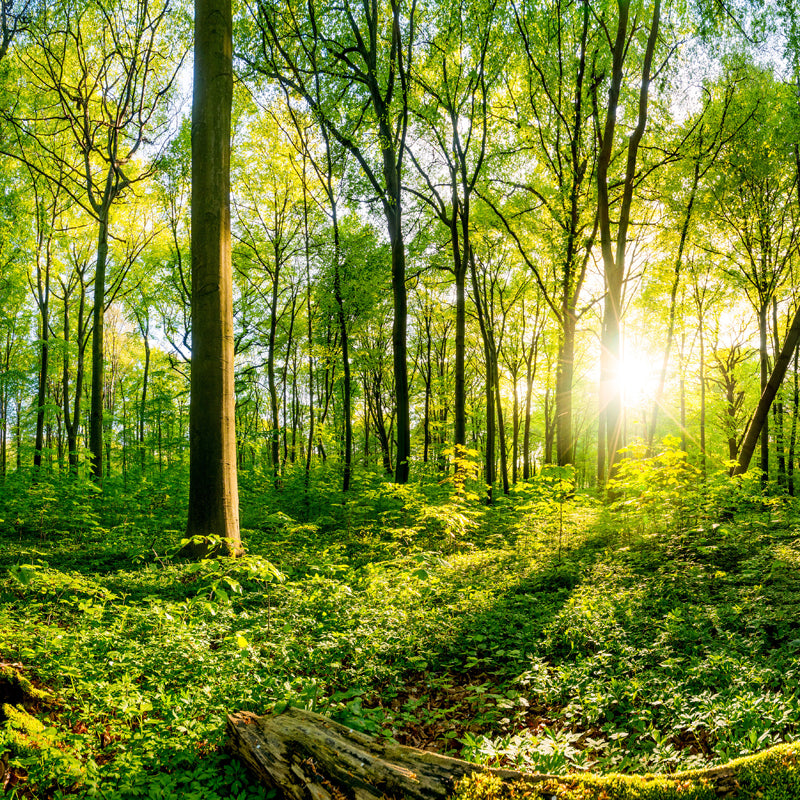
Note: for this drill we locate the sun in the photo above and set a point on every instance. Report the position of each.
(638, 376)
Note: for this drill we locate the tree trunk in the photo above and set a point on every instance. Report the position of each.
(142, 408)
(428, 376)
(213, 487)
(380, 427)
(399, 326)
(310, 333)
(489, 386)
(344, 336)
(759, 420)
(308, 757)
(515, 426)
(501, 427)
(793, 435)
(460, 396)
(701, 334)
(530, 375)
(275, 437)
(764, 372)
(777, 407)
(41, 397)
(564, 374)
(98, 313)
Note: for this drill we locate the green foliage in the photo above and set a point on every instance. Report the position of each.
(413, 613)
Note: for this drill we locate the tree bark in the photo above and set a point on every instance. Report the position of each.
(344, 336)
(793, 434)
(41, 397)
(213, 487)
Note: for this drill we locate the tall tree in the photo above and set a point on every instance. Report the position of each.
(755, 204)
(614, 235)
(364, 52)
(213, 485)
(556, 93)
(104, 74)
(455, 80)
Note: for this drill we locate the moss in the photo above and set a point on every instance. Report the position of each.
(23, 732)
(17, 690)
(771, 775)
(29, 744)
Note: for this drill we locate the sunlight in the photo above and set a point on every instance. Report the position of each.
(638, 376)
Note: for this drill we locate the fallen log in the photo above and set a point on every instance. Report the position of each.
(310, 757)
(305, 756)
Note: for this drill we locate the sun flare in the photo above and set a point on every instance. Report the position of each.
(638, 376)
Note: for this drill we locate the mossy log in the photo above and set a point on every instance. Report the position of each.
(308, 757)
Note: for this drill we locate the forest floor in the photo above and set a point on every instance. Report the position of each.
(548, 633)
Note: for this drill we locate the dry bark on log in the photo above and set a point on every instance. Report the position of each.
(309, 757)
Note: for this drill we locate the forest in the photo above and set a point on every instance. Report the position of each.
(399, 374)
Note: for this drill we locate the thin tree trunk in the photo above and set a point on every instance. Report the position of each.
(145, 329)
(310, 442)
(764, 372)
(345, 339)
(366, 424)
(530, 375)
(275, 439)
(564, 376)
(41, 397)
(778, 404)
(428, 374)
(515, 427)
(702, 395)
(98, 313)
(489, 386)
(793, 435)
(662, 377)
(19, 433)
(501, 428)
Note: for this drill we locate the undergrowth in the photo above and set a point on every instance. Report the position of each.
(549, 633)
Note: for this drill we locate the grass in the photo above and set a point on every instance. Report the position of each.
(621, 640)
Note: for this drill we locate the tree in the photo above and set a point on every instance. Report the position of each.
(754, 200)
(364, 52)
(13, 21)
(104, 75)
(614, 242)
(557, 93)
(452, 108)
(213, 486)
